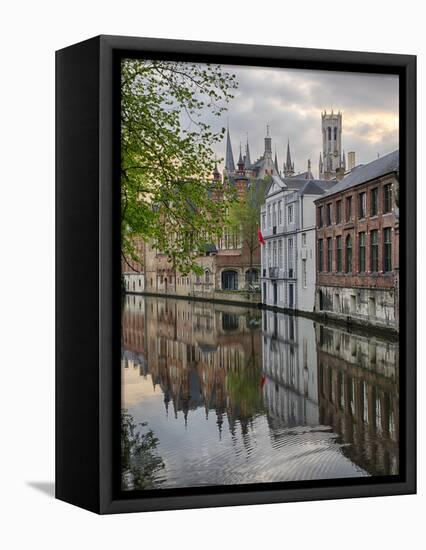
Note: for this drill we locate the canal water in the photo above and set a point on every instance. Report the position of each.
(217, 394)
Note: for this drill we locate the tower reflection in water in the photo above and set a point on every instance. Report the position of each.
(241, 395)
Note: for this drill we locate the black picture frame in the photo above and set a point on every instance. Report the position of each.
(88, 272)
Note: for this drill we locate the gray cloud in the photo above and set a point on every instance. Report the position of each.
(291, 102)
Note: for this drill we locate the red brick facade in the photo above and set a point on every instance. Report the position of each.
(365, 260)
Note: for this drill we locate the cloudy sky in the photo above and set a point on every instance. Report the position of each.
(290, 101)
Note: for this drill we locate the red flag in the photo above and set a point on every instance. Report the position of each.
(260, 237)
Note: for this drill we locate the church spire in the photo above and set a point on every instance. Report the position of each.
(247, 160)
(240, 163)
(268, 144)
(309, 175)
(229, 159)
(288, 154)
(320, 166)
(276, 161)
(288, 165)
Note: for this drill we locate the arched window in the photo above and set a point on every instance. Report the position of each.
(335, 133)
(329, 132)
(348, 254)
(207, 276)
(229, 280)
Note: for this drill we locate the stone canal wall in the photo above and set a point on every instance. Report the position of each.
(237, 296)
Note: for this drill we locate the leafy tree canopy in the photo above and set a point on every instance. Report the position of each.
(167, 159)
(244, 216)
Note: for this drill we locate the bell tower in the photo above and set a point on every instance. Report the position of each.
(331, 125)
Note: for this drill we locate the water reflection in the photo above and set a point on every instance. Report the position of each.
(239, 395)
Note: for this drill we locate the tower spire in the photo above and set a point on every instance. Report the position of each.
(240, 163)
(247, 160)
(276, 161)
(268, 144)
(229, 158)
(309, 175)
(288, 165)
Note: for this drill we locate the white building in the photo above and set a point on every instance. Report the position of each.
(134, 282)
(288, 226)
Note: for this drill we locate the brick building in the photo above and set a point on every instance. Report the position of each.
(357, 241)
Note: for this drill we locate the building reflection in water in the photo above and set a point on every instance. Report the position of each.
(260, 395)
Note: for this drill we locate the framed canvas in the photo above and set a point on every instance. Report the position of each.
(236, 278)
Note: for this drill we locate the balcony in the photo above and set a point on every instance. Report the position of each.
(273, 272)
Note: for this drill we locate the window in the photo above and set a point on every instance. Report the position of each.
(280, 253)
(339, 253)
(338, 211)
(387, 198)
(304, 274)
(268, 218)
(362, 205)
(374, 199)
(290, 258)
(274, 254)
(280, 214)
(320, 254)
(329, 133)
(348, 208)
(303, 239)
(263, 221)
(335, 133)
(348, 254)
(290, 214)
(229, 280)
(320, 216)
(329, 254)
(329, 214)
(274, 215)
(387, 249)
(374, 250)
(269, 254)
(207, 276)
(362, 252)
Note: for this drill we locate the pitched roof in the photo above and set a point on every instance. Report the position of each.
(312, 187)
(366, 172)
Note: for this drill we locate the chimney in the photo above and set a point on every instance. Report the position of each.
(351, 160)
(340, 173)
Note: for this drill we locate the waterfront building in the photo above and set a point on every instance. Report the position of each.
(357, 242)
(288, 229)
